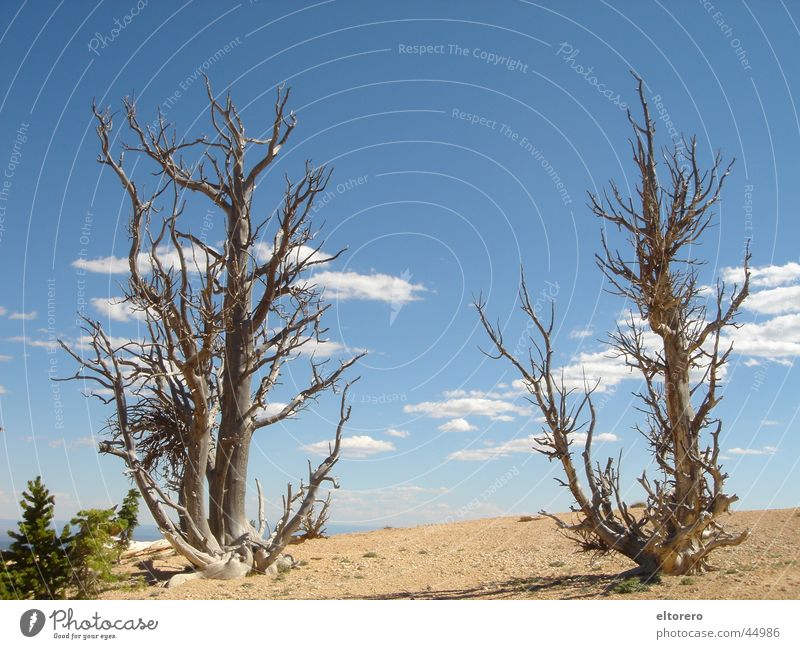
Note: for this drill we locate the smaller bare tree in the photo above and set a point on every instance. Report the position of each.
(680, 360)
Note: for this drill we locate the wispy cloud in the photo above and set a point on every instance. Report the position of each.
(300, 254)
(777, 339)
(519, 445)
(324, 348)
(21, 315)
(116, 308)
(773, 301)
(773, 275)
(496, 409)
(357, 446)
(62, 442)
(348, 285)
(106, 265)
(581, 332)
(393, 432)
(168, 257)
(459, 425)
(33, 342)
(764, 450)
(271, 409)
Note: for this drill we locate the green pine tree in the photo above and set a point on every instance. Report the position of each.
(129, 514)
(36, 565)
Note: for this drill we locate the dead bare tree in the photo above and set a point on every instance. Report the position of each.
(680, 360)
(221, 323)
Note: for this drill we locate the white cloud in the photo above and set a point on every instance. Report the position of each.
(459, 425)
(475, 406)
(783, 299)
(321, 349)
(584, 332)
(2, 389)
(32, 342)
(764, 275)
(481, 394)
(194, 256)
(519, 445)
(106, 265)
(101, 392)
(72, 443)
(4, 358)
(3, 310)
(589, 367)
(393, 432)
(262, 251)
(271, 409)
(348, 285)
(774, 339)
(84, 441)
(115, 308)
(20, 315)
(84, 342)
(357, 446)
(765, 450)
(770, 422)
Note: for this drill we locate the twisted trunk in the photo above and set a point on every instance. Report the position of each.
(684, 439)
(193, 492)
(228, 488)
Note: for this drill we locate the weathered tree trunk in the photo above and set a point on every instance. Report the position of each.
(681, 414)
(194, 491)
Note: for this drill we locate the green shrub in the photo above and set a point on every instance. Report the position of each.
(94, 550)
(632, 585)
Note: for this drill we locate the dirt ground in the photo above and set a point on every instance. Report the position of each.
(500, 558)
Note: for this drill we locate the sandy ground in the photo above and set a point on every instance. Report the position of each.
(500, 558)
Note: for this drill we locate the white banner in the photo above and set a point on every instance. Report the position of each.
(423, 624)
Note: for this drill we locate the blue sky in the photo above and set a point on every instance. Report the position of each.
(463, 137)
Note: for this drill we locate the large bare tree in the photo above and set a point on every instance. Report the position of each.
(220, 324)
(677, 345)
